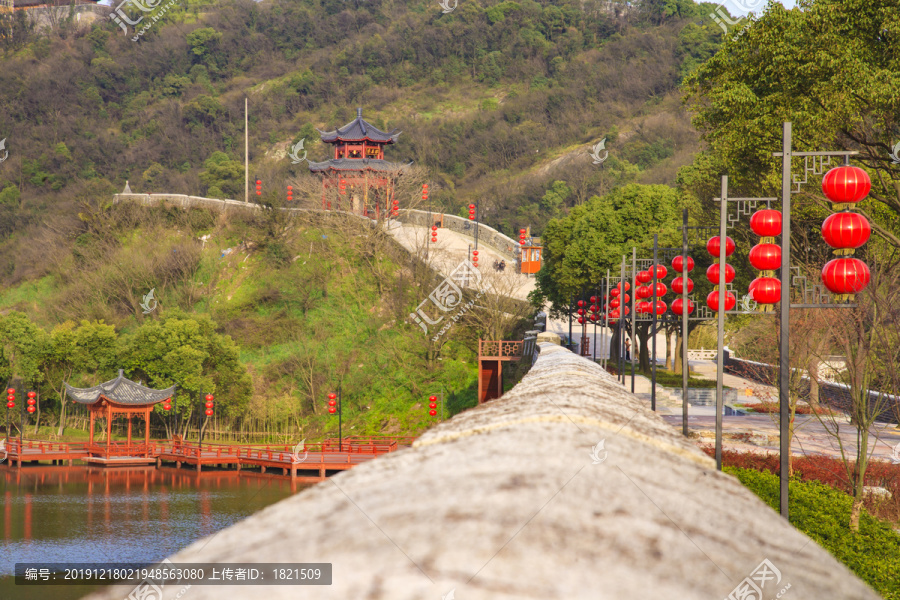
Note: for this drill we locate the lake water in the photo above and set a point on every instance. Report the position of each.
(135, 515)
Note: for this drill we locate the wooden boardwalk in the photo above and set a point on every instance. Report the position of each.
(310, 464)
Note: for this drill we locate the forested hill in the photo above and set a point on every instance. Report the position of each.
(498, 100)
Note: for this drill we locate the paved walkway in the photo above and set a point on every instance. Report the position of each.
(759, 432)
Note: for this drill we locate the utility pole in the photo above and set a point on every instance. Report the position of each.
(246, 153)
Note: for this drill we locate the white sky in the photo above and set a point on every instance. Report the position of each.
(742, 7)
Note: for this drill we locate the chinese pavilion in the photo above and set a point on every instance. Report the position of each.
(358, 179)
(119, 397)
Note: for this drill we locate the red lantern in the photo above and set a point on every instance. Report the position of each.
(167, 407)
(845, 275)
(594, 317)
(846, 230)
(643, 292)
(644, 276)
(10, 398)
(678, 285)
(614, 292)
(581, 303)
(766, 223)
(332, 403)
(712, 300)
(627, 286)
(32, 394)
(11, 391)
(31, 401)
(209, 405)
(660, 307)
(614, 314)
(677, 306)
(712, 273)
(332, 410)
(627, 310)
(581, 311)
(661, 289)
(31, 409)
(765, 257)
(846, 184)
(766, 290)
(580, 320)
(594, 299)
(712, 246)
(332, 396)
(209, 398)
(433, 413)
(434, 240)
(10, 404)
(432, 398)
(209, 412)
(642, 307)
(678, 264)
(432, 405)
(661, 272)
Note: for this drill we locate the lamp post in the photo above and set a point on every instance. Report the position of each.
(208, 412)
(10, 403)
(334, 407)
(841, 185)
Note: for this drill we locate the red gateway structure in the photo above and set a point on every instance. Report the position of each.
(358, 177)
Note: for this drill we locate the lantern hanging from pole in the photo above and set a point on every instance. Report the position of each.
(31, 409)
(846, 184)
(627, 286)
(766, 222)
(614, 292)
(678, 285)
(766, 290)
(712, 246)
(678, 264)
(661, 272)
(764, 257)
(661, 289)
(845, 276)
(209, 412)
(712, 273)
(846, 230)
(659, 306)
(678, 305)
(712, 300)
(644, 277)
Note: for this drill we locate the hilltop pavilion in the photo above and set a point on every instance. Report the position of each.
(358, 179)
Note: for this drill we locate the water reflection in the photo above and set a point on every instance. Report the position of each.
(136, 515)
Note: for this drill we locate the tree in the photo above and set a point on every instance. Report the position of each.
(867, 337)
(831, 70)
(579, 248)
(185, 350)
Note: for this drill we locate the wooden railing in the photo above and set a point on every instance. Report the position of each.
(500, 349)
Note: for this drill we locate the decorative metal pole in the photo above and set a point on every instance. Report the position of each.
(684, 322)
(784, 368)
(571, 308)
(653, 326)
(606, 322)
(622, 319)
(340, 420)
(720, 355)
(633, 313)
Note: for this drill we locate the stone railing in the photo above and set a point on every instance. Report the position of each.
(566, 487)
(500, 243)
(184, 201)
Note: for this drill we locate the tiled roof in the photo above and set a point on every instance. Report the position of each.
(358, 130)
(121, 391)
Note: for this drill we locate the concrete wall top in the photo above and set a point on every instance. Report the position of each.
(487, 235)
(518, 498)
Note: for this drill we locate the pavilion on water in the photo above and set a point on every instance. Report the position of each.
(119, 397)
(358, 179)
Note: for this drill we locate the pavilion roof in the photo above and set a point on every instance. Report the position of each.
(358, 130)
(121, 391)
(357, 164)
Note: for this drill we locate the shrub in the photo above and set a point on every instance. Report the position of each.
(822, 513)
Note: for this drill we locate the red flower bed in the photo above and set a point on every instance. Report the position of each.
(814, 467)
(802, 409)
